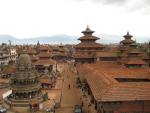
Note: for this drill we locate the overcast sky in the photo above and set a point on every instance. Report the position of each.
(34, 18)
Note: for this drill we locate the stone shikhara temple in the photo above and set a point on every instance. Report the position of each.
(25, 86)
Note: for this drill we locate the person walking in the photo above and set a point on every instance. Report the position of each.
(69, 86)
(82, 103)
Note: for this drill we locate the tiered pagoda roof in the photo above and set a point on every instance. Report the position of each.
(90, 45)
(88, 40)
(88, 35)
(135, 61)
(130, 51)
(127, 40)
(133, 51)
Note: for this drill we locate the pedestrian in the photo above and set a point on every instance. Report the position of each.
(82, 103)
(69, 86)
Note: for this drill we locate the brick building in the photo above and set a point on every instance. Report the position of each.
(119, 79)
(114, 88)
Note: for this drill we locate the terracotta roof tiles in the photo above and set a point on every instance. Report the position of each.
(104, 87)
(88, 37)
(44, 62)
(107, 54)
(44, 54)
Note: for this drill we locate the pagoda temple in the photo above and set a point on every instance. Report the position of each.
(25, 86)
(127, 42)
(59, 53)
(85, 51)
(130, 54)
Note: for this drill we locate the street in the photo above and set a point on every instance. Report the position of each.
(70, 96)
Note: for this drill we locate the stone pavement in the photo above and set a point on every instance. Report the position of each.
(73, 95)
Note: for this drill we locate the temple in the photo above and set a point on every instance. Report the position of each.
(85, 51)
(118, 81)
(129, 53)
(25, 86)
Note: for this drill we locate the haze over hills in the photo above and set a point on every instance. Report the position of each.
(66, 39)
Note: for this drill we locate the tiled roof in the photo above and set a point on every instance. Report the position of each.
(127, 41)
(31, 51)
(135, 61)
(44, 54)
(89, 45)
(88, 37)
(135, 51)
(9, 69)
(83, 55)
(58, 54)
(128, 35)
(87, 30)
(145, 57)
(107, 54)
(44, 47)
(44, 62)
(34, 58)
(101, 79)
(128, 92)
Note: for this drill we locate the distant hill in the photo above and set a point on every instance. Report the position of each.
(57, 39)
(66, 39)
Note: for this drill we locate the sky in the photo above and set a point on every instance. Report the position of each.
(34, 18)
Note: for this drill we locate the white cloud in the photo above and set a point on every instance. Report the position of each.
(31, 18)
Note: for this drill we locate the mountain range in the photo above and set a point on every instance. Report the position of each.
(66, 39)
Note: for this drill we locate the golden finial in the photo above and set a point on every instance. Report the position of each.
(128, 32)
(88, 28)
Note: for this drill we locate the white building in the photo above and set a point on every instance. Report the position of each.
(7, 54)
(13, 54)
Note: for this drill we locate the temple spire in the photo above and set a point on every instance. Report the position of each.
(128, 36)
(87, 28)
(87, 31)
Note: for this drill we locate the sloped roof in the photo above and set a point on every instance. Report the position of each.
(44, 54)
(89, 45)
(128, 92)
(135, 61)
(44, 62)
(127, 41)
(9, 69)
(137, 51)
(101, 79)
(107, 54)
(88, 37)
(83, 55)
